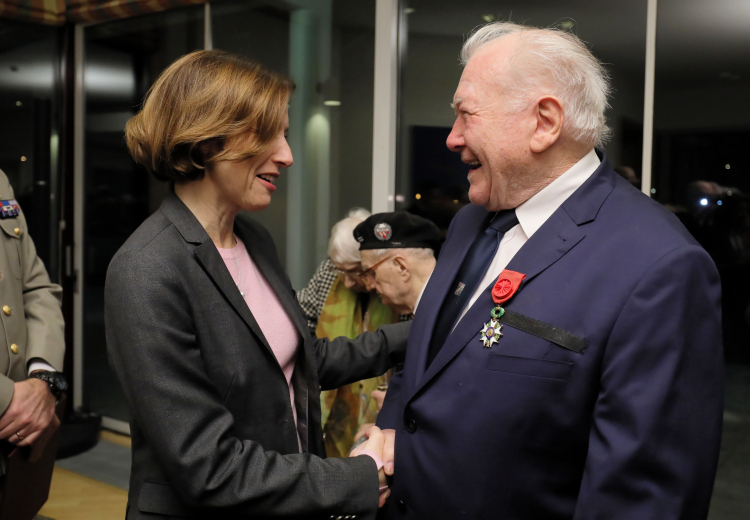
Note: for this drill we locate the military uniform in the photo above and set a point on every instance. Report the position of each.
(30, 311)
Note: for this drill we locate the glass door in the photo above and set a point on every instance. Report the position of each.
(121, 61)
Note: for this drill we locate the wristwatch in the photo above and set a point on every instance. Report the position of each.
(56, 381)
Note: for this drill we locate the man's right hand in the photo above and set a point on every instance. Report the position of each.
(30, 412)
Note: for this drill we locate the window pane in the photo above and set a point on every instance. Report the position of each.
(122, 60)
(30, 108)
(701, 130)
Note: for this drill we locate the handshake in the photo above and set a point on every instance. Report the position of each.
(381, 443)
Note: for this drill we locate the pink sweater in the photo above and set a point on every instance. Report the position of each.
(267, 310)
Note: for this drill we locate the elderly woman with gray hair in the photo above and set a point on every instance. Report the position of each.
(337, 303)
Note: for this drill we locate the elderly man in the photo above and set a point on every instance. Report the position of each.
(397, 257)
(565, 360)
(336, 303)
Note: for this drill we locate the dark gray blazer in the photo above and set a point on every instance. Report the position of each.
(212, 425)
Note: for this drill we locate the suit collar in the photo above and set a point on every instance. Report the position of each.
(533, 213)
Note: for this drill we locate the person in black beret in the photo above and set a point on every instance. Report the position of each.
(398, 256)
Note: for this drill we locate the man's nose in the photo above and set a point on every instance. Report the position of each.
(370, 284)
(455, 141)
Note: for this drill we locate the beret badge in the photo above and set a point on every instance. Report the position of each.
(383, 231)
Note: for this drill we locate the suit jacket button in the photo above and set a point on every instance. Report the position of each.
(401, 506)
(6, 310)
(14, 348)
(411, 425)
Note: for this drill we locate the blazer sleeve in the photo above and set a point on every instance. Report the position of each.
(342, 360)
(655, 435)
(153, 350)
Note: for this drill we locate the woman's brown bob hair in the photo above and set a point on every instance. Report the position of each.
(207, 106)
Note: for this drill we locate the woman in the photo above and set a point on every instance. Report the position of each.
(203, 330)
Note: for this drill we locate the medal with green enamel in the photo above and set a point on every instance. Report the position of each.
(491, 332)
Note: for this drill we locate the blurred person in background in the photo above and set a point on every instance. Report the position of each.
(398, 257)
(219, 370)
(337, 303)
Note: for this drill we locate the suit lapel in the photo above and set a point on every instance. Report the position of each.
(553, 240)
(557, 236)
(439, 286)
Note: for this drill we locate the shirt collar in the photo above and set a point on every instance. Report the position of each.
(535, 211)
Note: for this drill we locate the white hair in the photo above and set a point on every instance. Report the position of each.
(343, 248)
(578, 79)
(417, 253)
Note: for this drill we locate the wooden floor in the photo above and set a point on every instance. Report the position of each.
(75, 497)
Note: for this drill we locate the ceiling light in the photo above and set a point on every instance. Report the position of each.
(332, 103)
(704, 202)
(417, 196)
(718, 202)
(410, 10)
(23, 158)
(653, 190)
(18, 103)
(489, 18)
(399, 197)
(727, 166)
(566, 24)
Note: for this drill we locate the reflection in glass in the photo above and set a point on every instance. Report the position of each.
(701, 130)
(122, 60)
(29, 110)
(430, 180)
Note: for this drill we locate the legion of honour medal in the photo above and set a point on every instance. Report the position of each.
(506, 286)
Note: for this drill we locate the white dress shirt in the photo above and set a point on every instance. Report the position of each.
(532, 214)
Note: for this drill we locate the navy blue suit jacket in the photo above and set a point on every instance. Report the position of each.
(629, 429)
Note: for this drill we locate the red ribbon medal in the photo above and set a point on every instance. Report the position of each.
(506, 286)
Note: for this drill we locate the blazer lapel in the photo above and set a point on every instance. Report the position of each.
(557, 236)
(269, 265)
(210, 259)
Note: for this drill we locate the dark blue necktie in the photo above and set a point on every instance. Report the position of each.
(472, 270)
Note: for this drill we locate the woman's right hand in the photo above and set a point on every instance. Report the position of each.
(375, 443)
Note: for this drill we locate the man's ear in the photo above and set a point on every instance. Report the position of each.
(549, 122)
(403, 267)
